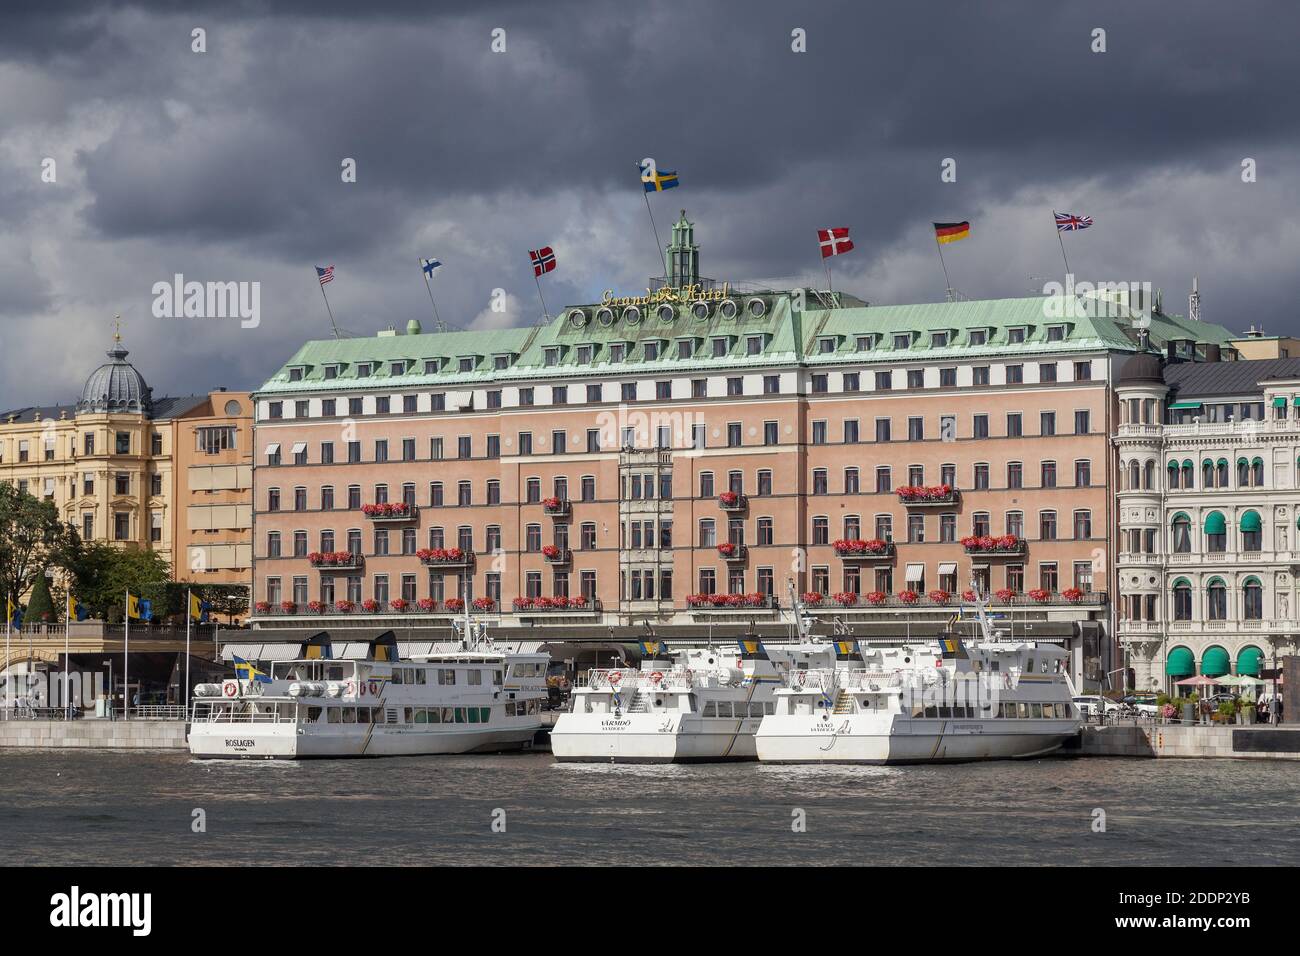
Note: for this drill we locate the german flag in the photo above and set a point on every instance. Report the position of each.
(951, 231)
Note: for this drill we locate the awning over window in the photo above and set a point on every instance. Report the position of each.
(1187, 463)
(947, 567)
(1296, 400)
(1182, 583)
(915, 572)
(1215, 523)
(1251, 581)
(1215, 662)
(1179, 516)
(1223, 462)
(1248, 659)
(1279, 402)
(299, 447)
(1242, 461)
(1250, 521)
(273, 448)
(1180, 663)
(1173, 463)
(1257, 461)
(1187, 405)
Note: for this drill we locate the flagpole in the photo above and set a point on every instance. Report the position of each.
(659, 246)
(333, 324)
(9, 677)
(946, 281)
(1062, 242)
(189, 619)
(67, 666)
(126, 659)
(538, 282)
(436, 317)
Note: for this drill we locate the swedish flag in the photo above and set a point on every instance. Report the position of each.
(196, 608)
(752, 649)
(132, 606)
(847, 651)
(660, 180)
(13, 614)
(652, 650)
(951, 647)
(246, 671)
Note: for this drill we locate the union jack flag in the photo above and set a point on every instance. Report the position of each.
(326, 274)
(1068, 222)
(543, 260)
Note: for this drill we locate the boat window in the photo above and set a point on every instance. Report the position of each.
(931, 710)
(475, 677)
(769, 707)
(724, 708)
(1022, 710)
(349, 715)
(945, 711)
(446, 675)
(484, 715)
(397, 675)
(460, 715)
(755, 708)
(1008, 709)
(917, 709)
(334, 672)
(447, 715)
(421, 715)
(1030, 667)
(313, 714)
(1035, 710)
(332, 715)
(473, 711)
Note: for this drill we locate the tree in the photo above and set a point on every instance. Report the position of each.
(101, 575)
(40, 607)
(31, 537)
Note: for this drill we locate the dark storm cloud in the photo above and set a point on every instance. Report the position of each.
(226, 165)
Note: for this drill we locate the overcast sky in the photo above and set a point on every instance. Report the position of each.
(226, 165)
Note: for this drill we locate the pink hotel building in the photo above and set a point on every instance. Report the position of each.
(699, 456)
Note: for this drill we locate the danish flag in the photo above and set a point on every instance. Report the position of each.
(834, 241)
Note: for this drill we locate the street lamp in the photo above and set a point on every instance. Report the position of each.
(109, 663)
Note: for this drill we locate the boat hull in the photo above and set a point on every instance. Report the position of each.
(649, 738)
(790, 740)
(283, 742)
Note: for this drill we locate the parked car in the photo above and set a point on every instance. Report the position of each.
(1090, 705)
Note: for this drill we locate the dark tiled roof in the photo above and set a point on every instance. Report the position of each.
(1188, 379)
(163, 408)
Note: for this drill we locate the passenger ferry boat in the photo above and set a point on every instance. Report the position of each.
(931, 702)
(690, 704)
(472, 700)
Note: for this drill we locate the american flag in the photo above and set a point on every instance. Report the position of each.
(1068, 222)
(834, 241)
(543, 260)
(326, 274)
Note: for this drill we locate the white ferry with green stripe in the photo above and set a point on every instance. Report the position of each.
(929, 702)
(477, 698)
(692, 704)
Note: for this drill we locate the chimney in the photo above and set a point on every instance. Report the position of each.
(1212, 353)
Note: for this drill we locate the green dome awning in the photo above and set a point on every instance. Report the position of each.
(1182, 583)
(1251, 580)
(1248, 660)
(1279, 402)
(1250, 521)
(1223, 462)
(1215, 662)
(1187, 462)
(1209, 462)
(1179, 516)
(1215, 523)
(1243, 461)
(1215, 582)
(1180, 663)
(1174, 464)
(1257, 461)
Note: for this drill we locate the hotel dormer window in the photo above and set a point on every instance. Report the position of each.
(938, 340)
(585, 354)
(551, 356)
(295, 374)
(720, 347)
(685, 348)
(617, 351)
(1055, 333)
(466, 363)
(430, 366)
(979, 336)
(397, 368)
(825, 345)
(903, 340)
(500, 362)
(363, 370)
(1015, 336)
(754, 345)
(651, 351)
(865, 343)
(331, 371)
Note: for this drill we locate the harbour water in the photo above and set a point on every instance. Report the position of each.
(93, 808)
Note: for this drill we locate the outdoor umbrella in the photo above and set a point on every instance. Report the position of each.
(1200, 680)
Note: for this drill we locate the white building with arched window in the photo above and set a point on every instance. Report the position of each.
(1208, 549)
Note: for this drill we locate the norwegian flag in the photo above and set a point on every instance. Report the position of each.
(543, 260)
(1067, 222)
(834, 241)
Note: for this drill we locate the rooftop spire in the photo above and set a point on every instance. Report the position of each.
(683, 255)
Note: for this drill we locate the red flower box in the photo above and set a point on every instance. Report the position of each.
(845, 598)
(389, 509)
(1041, 595)
(812, 597)
(914, 493)
(877, 598)
(908, 596)
(551, 551)
(1005, 594)
(344, 607)
(484, 603)
(370, 604)
(427, 604)
(262, 607)
(1073, 595)
(454, 605)
(940, 596)
(399, 604)
(726, 549)
(728, 498)
(288, 607)
(316, 607)
(969, 595)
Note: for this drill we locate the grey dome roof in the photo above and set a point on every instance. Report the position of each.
(1142, 367)
(116, 387)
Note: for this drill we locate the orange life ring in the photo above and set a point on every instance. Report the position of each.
(374, 688)
(351, 689)
(231, 689)
(656, 677)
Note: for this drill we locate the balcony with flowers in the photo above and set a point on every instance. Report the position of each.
(554, 554)
(928, 496)
(753, 601)
(391, 512)
(556, 507)
(938, 599)
(994, 546)
(558, 605)
(856, 549)
(730, 551)
(733, 501)
(336, 561)
(445, 557)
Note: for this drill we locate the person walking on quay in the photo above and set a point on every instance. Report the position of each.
(1276, 707)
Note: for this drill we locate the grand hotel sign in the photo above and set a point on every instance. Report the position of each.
(684, 295)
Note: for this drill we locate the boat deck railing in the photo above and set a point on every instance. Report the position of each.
(207, 714)
(600, 679)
